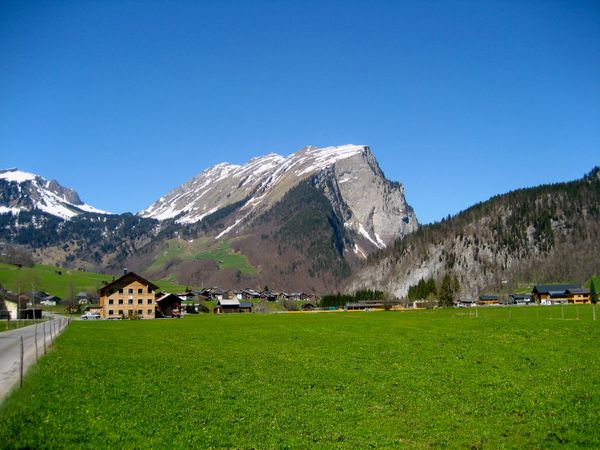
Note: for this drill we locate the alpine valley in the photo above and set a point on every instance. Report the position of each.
(318, 220)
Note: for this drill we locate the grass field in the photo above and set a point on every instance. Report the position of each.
(204, 248)
(70, 282)
(422, 379)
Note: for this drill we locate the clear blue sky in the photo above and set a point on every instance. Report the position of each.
(459, 100)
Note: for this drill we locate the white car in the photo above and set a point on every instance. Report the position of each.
(87, 316)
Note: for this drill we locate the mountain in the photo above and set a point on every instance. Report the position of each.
(23, 191)
(549, 233)
(301, 222)
(370, 207)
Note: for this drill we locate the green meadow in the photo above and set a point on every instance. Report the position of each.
(504, 378)
(205, 248)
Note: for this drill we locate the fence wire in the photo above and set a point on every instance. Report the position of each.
(22, 347)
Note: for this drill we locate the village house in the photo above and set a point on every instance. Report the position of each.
(130, 296)
(186, 295)
(578, 296)
(487, 300)
(227, 306)
(552, 294)
(168, 305)
(465, 302)
(520, 299)
(83, 298)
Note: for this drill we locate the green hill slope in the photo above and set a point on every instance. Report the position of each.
(65, 283)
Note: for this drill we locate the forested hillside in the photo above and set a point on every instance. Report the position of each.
(549, 233)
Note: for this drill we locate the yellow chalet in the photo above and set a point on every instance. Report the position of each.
(130, 296)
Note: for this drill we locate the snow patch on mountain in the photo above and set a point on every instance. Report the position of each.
(347, 174)
(24, 191)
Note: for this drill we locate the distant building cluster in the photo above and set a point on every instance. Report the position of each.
(542, 294)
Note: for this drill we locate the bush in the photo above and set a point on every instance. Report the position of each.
(290, 305)
(190, 309)
(202, 308)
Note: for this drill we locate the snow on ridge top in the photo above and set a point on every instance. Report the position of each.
(16, 175)
(319, 158)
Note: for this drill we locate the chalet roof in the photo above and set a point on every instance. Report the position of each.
(167, 296)
(553, 288)
(488, 297)
(580, 291)
(520, 296)
(246, 305)
(251, 292)
(126, 279)
(228, 302)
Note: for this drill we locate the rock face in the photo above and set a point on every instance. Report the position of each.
(23, 191)
(371, 208)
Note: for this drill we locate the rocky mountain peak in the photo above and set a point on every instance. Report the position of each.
(24, 191)
(369, 205)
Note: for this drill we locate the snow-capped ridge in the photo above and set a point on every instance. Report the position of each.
(35, 192)
(375, 208)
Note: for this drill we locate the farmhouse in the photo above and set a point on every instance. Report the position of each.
(227, 306)
(488, 300)
(578, 296)
(557, 293)
(128, 296)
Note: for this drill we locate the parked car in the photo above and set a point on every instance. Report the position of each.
(87, 316)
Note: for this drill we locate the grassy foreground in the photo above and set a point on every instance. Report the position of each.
(353, 380)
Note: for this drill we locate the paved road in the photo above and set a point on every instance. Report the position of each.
(10, 350)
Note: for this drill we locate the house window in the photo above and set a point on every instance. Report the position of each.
(149, 290)
(149, 311)
(130, 301)
(149, 301)
(140, 301)
(140, 312)
(140, 291)
(130, 290)
(120, 290)
(120, 312)
(110, 312)
(110, 301)
(120, 301)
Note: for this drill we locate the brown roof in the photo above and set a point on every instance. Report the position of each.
(126, 279)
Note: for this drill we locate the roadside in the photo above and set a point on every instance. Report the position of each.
(22, 347)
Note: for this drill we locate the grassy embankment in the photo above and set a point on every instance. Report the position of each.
(510, 377)
(6, 325)
(204, 248)
(65, 285)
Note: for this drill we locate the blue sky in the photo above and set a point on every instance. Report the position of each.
(458, 100)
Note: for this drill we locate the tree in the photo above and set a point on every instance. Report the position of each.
(593, 292)
(448, 289)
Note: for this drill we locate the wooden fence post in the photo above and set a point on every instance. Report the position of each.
(44, 326)
(36, 346)
(22, 353)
